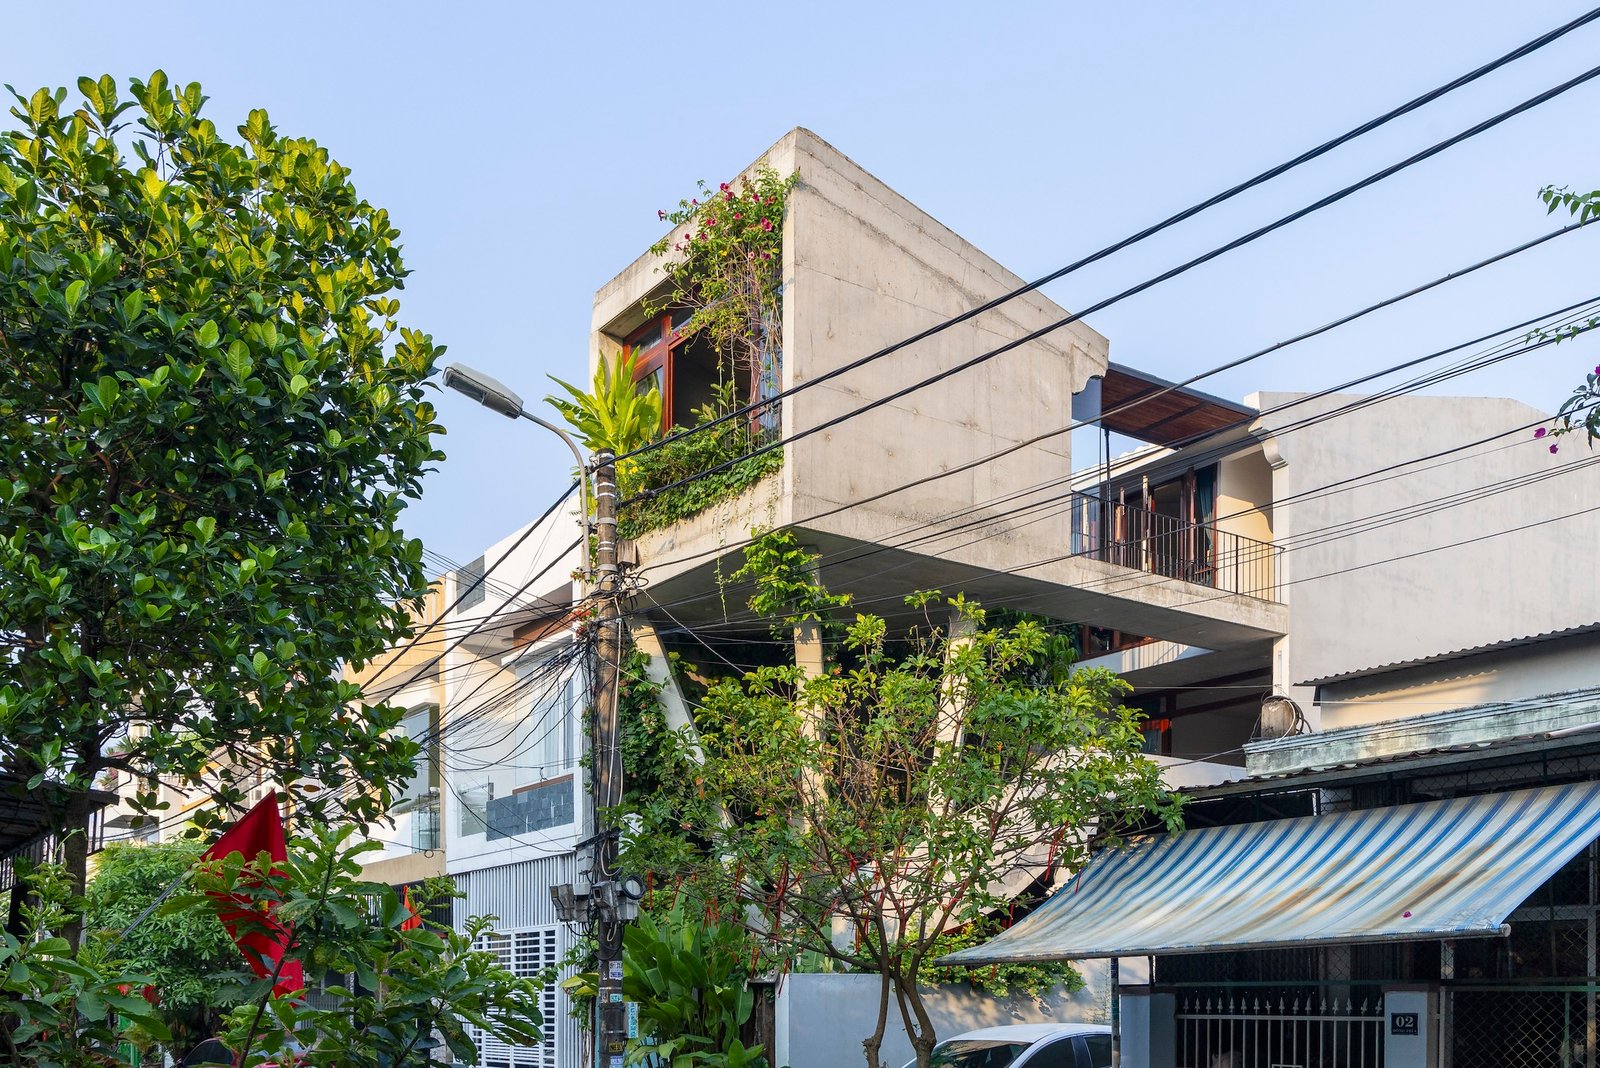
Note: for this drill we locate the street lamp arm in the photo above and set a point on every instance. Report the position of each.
(583, 481)
(498, 397)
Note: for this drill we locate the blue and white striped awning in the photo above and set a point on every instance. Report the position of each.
(1441, 869)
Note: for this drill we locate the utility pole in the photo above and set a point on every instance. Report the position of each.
(609, 907)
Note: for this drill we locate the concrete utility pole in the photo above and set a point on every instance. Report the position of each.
(606, 901)
(610, 1022)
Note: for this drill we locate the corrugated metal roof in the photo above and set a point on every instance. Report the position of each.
(1477, 726)
(1453, 654)
(1442, 869)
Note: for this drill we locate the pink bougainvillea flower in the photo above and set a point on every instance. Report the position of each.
(1555, 448)
(1597, 368)
(756, 197)
(1541, 432)
(723, 187)
(766, 255)
(766, 224)
(693, 202)
(738, 215)
(660, 214)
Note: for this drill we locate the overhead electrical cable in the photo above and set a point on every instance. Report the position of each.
(1094, 257)
(479, 580)
(1228, 446)
(1190, 264)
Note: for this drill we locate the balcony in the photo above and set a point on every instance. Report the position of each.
(1145, 540)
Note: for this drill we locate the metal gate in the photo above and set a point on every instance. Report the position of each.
(1239, 1029)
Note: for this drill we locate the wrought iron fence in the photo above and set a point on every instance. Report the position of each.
(1148, 541)
(1298, 1029)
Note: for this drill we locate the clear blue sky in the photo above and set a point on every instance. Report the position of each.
(523, 149)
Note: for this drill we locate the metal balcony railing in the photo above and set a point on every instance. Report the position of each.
(1138, 538)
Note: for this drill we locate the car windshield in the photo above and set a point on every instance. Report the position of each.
(976, 1053)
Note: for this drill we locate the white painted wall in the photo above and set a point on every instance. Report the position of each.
(1558, 665)
(1353, 605)
(822, 1019)
(494, 734)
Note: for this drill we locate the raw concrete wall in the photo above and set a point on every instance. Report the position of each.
(863, 268)
(822, 1019)
(866, 268)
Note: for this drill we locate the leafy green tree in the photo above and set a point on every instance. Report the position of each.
(874, 813)
(210, 421)
(64, 1006)
(182, 951)
(1581, 410)
(385, 991)
(413, 984)
(688, 975)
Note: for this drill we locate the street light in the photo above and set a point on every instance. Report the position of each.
(498, 397)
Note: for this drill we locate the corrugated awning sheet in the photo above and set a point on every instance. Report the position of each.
(1441, 869)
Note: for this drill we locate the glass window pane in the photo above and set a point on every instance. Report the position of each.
(646, 342)
(1058, 1054)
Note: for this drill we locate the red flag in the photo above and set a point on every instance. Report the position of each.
(413, 921)
(259, 831)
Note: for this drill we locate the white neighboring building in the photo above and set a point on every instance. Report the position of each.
(513, 801)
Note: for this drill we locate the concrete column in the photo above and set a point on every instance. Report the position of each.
(673, 706)
(1149, 1028)
(961, 632)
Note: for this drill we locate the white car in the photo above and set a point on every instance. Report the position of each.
(1057, 1045)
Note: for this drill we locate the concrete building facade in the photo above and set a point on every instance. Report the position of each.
(1401, 568)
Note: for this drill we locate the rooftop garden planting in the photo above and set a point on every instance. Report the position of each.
(689, 384)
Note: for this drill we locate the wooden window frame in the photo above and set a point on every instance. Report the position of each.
(659, 326)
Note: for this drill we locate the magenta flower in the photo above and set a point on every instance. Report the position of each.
(723, 187)
(1555, 448)
(766, 224)
(738, 215)
(766, 255)
(660, 214)
(1541, 432)
(1597, 369)
(693, 202)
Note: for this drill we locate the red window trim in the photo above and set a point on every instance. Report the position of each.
(659, 327)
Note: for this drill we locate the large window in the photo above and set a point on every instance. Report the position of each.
(683, 369)
(518, 769)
